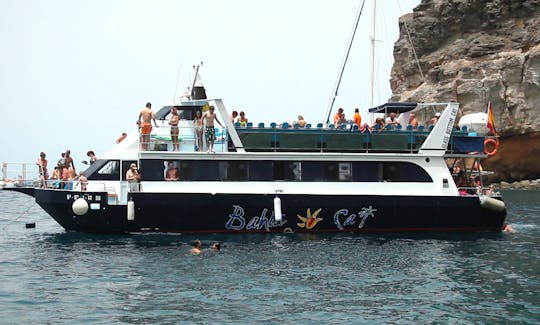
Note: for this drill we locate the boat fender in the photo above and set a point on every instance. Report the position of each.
(277, 209)
(80, 206)
(491, 142)
(30, 225)
(131, 210)
(492, 204)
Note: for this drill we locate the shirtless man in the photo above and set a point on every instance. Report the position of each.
(209, 117)
(145, 117)
(172, 172)
(69, 160)
(413, 121)
(133, 178)
(196, 250)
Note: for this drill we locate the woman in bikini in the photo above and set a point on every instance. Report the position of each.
(173, 122)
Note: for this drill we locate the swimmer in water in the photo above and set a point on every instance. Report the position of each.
(196, 250)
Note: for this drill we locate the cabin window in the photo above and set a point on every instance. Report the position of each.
(125, 167)
(152, 170)
(104, 170)
(206, 171)
(260, 170)
(404, 172)
(344, 172)
(185, 170)
(313, 171)
(234, 170)
(365, 171)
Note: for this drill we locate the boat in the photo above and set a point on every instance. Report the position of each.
(282, 178)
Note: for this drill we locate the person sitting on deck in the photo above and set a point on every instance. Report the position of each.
(357, 118)
(380, 122)
(172, 172)
(242, 119)
(413, 121)
(301, 122)
(391, 119)
(339, 117)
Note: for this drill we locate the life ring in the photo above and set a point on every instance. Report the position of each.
(495, 144)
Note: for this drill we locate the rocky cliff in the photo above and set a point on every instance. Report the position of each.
(472, 52)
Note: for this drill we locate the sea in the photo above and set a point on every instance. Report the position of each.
(49, 276)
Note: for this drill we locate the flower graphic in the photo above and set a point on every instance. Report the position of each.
(310, 220)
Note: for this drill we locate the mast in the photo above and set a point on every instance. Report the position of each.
(372, 75)
(344, 63)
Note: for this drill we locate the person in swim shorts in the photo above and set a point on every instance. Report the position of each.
(145, 117)
(209, 117)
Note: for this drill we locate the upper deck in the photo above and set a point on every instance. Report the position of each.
(441, 138)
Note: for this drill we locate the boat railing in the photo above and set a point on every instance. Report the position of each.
(478, 191)
(160, 139)
(20, 174)
(347, 138)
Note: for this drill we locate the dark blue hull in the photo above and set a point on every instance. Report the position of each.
(207, 213)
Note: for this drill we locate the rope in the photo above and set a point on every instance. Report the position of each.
(412, 45)
(19, 217)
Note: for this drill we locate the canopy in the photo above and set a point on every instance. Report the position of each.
(393, 108)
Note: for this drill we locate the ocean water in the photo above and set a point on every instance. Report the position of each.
(48, 276)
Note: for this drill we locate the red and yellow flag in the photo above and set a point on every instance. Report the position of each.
(491, 120)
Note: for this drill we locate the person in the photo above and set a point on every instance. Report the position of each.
(300, 121)
(83, 181)
(216, 247)
(357, 118)
(435, 119)
(233, 116)
(172, 172)
(56, 177)
(69, 160)
(209, 117)
(196, 250)
(173, 122)
(380, 122)
(391, 119)
(122, 137)
(133, 178)
(198, 122)
(144, 122)
(42, 166)
(92, 156)
(413, 121)
(339, 117)
(243, 119)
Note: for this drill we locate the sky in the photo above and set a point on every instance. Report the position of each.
(75, 74)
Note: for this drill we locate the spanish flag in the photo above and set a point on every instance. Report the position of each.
(491, 120)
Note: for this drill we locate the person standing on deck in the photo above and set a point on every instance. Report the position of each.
(198, 124)
(145, 117)
(209, 117)
(42, 165)
(173, 122)
(69, 161)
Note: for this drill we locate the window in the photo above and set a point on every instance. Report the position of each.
(260, 170)
(105, 170)
(152, 170)
(404, 172)
(125, 167)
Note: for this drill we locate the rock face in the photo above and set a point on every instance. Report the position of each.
(473, 52)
